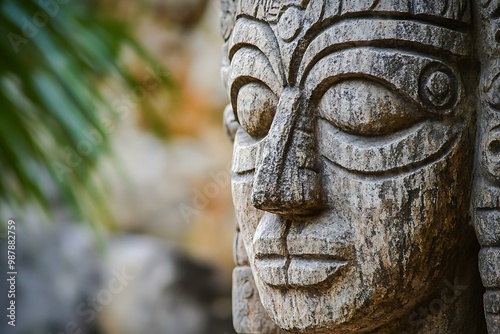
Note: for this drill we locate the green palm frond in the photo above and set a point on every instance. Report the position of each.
(54, 118)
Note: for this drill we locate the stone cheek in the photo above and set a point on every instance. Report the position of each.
(353, 164)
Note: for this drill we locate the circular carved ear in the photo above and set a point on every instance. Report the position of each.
(230, 123)
(490, 156)
(438, 88)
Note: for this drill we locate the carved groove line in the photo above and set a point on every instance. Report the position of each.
(453, 10)
(349, 154)
(396, 172)
(249, 32)
(382, 33)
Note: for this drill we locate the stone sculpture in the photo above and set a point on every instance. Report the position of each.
(487, 178)
(354, 128)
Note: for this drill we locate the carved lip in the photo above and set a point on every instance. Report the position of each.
(297, 271)
(291, 253)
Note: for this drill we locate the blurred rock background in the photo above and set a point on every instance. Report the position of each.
(170, 197)
(166, 177)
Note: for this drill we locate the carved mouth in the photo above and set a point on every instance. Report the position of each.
(300, 254)
(297, 271)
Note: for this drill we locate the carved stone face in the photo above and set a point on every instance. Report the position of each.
(353, 156)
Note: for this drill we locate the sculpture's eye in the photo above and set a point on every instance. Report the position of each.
(256, 107)
(366, 108)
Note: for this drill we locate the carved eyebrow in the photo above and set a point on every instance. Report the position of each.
(251, 65)
(399, 70)
(259, 35)
(388, 33)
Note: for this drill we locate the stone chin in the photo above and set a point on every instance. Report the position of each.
(380, 246)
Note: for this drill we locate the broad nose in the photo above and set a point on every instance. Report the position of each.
(287, 179)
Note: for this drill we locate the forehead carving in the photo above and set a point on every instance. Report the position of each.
(298, 43)
(271, 10)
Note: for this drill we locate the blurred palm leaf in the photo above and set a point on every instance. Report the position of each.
(54, 118)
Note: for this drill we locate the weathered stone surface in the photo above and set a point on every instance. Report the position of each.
(487, 179)
(489, 265)
(248, 314)
(492, 310)
(353, 164)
